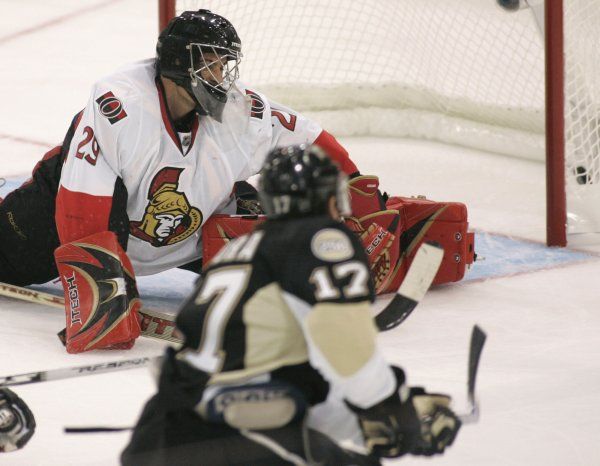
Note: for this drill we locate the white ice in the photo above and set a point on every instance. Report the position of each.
(539, 384)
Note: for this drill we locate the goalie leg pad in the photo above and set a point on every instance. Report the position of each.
(101, 298)
(380, 236)
(365, 197)
(220, 229)
(444, 223)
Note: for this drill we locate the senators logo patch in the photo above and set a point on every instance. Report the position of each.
(111, 107)
(257, 106)
(169, 218)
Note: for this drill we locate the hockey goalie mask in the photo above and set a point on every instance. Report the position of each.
(213, 72)
(201, 51)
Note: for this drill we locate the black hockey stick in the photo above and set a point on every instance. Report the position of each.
(78, 371)
(478, 337)
(94, 430)
(418, 279)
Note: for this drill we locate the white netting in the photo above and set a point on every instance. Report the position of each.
(459, 71)
(582, 114)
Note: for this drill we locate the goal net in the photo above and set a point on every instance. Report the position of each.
(464, 72)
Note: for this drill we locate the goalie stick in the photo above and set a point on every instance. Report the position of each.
(478, 337)
(158, 325)
(78, 371)
(154, 324)
(419, 277)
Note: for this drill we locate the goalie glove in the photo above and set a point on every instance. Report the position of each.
(409, 421)
(17, 423)
(101, 298)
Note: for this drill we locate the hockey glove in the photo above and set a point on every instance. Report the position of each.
(410, 421)
(17, 423)
(391, 428)
(439, 425)
(101, 298)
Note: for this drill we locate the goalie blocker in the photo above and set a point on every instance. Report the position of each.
(101, 298)
(391, 230)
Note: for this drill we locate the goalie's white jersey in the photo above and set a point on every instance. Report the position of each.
(125, 157)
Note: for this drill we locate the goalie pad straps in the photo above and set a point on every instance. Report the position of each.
(101, 298)
(379, 230)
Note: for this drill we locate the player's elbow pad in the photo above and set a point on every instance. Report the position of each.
(101, 298)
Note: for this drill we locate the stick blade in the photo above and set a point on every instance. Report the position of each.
(478, 338)
(421, 273)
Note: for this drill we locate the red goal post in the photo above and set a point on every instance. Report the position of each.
(464, 72)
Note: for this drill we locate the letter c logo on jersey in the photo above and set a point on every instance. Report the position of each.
(111, 107)
(169, 218)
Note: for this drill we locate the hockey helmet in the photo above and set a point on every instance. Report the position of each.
(299, 180)
(190, 49)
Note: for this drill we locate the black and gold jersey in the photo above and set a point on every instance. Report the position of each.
(292, 300)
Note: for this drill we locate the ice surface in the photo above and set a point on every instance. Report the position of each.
(539, 380)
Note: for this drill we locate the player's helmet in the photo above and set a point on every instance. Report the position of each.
(188, 51)
(299, 180)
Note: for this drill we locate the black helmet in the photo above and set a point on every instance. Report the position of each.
(298, 181)
(188, 48)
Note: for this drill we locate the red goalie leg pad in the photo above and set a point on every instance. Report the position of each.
(365, 197)
(442, 222)
(379, 229)
(220, 229)
(380, 236)
(101, 298)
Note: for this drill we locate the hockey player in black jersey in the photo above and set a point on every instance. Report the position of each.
(280, 360)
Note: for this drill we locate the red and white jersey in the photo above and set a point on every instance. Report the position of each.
(126, 163)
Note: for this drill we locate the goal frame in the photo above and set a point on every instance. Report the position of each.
(556, 205)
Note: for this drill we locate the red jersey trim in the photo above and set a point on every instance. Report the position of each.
(80, 214)
(164, 110)
(166, 116)
(195, 126)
